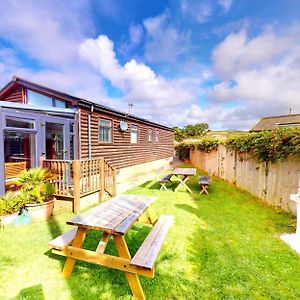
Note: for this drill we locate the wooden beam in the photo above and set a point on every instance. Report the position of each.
(76, 177)
(133, 280)
(77, 242)
(104, 260)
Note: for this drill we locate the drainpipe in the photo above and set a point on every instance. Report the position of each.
(89, 132)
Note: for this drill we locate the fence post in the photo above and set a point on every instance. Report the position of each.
(101, 174)
(76, 177)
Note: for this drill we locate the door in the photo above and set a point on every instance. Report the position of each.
(56, 146)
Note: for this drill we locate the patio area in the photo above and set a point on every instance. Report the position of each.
(222, 245)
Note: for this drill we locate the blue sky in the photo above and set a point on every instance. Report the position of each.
(224, 62)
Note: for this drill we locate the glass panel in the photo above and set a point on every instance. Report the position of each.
(20, 147)
(150, 135)
(156, 136)
(105, 122)
(54, 141)
(38, 99)
(19, 123)
(59, 103)
(104, 131)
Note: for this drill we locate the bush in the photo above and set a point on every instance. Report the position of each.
(10, 203)
(34, 186)
(275, 145)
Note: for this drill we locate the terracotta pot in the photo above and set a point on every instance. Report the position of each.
(40, 211)
(5, 220)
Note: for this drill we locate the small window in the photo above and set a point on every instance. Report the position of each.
(19, 123)
(150, 136)
(157, 136)
(134, 134)
(59, 103)
(37, 99)
(105, 131)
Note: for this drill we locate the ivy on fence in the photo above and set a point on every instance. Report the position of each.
(270, 145)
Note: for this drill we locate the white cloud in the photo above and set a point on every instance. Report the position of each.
(164, 42)
(152, 94)
(200, 11)
(261, 73)
(226, 5)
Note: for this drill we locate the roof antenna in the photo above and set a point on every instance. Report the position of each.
(290, 111)
(130, 106)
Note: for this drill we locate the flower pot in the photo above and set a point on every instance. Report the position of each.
(40, 212)
(5, 220)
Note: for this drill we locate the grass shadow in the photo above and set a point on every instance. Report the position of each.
(33, 292)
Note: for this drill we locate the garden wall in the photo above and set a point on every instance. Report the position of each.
(272, 182)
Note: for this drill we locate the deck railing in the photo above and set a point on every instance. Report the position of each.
(77, 178)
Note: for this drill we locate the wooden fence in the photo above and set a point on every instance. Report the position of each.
(74, 179)
(272, 182)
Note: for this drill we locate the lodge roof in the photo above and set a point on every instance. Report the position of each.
(269, 123)
(17, 81)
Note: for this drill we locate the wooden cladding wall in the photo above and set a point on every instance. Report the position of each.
(15, 96)
(121, 152)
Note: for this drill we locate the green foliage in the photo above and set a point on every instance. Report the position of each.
(205, 145)
(190, 131)
(9, 203)
(275, 145)
(34, 186)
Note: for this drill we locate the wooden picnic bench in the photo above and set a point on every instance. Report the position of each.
(114, 217)
(164, 180)
(204, 182)
(183, 175)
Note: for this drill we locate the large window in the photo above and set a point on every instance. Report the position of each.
(150, 135)
(42, 100)
(134, 134)
(105, 131)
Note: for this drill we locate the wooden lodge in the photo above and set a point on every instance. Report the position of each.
(89, 147)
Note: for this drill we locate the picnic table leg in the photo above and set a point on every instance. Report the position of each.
(132, 279)
(77, 242)
(183, 183)
(103, 243)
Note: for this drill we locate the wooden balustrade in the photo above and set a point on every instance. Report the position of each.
(77, 178)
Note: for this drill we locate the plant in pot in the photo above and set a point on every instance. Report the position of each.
(36, 192)
(10, 205)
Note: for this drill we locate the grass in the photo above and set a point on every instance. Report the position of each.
(224, 245)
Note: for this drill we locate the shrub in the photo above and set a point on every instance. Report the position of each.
(34, 186)
(10, 203)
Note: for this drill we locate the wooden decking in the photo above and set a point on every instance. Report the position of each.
(74, 179)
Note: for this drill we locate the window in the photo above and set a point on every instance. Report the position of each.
(134, 134)
(42, 100)
(150, 136)
(157, 136)
(105, 131)
(19, 123)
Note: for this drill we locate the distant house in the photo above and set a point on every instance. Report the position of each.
(39, 122)
(269, 123)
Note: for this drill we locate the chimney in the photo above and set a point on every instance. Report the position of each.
(290, 111)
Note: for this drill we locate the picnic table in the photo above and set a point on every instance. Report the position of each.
(115, 218)
(183, 175)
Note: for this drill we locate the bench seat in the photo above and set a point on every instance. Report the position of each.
(64, 240)
(204, 182)
(166, 178)
(149, 250)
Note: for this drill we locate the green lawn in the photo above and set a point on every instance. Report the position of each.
(224, 245)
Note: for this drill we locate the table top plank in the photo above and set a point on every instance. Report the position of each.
(184, 171)
(114, 216)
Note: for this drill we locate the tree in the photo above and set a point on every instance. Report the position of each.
(195, 131)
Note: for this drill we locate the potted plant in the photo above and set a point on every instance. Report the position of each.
(10, 205)
(36, 192)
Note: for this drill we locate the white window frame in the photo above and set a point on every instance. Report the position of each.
(156, 136)
(150, 135)
(110, 126)
(134, 129)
